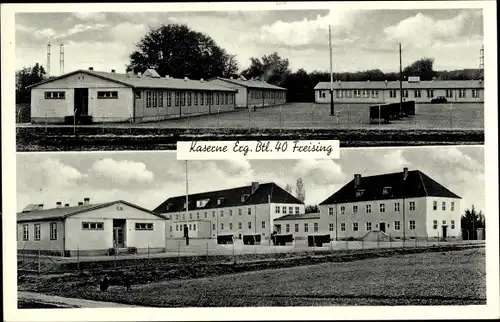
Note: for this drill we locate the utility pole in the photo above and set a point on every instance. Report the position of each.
(61, 59)
(481, 62)
(332, 109)
(48, 58)
(400, 82)
(187, 202)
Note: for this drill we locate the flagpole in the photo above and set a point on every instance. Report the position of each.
(332, 111)
(187, 191)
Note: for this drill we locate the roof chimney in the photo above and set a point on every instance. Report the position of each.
(185, 78)
(86, 201)
(357, 180)
(66, 205)
(202, 80)
(112, 70)
(167, 76)
(80, 203)
(40, 206)
(255, 186)
(91, 68)
(405, 173)
(58, 204)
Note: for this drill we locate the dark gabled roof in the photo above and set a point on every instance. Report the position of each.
(417, 184)
(232, 198)
(314, 215)
(145, 81)
(250, 83)
(434, 84)
(64, 212)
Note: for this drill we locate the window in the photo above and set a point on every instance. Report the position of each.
(355, 209)
(434, 205)
(412, 205)
(444, 222)
(452, 206)
(342, 226)
(230, 212)
(177, 217)
(208, 99)
(277, 210)
(169, 98)
(222, 226)
(217, 98)
(263, 224)
(418, 93)
(183, 99)
(284, 209)
(184, 216)
(306, 227)
(296, 228)
(189, 100)
(249, 225)
(240, 225)
(160, 99)
(213, 214)
(374, 93)
(190, 216)
(177, 99)
(287, 228)
(37, 231)
(230, 225)
(396, 206)
(366, 93)
(202, 98)
(194, 226)
(475, 93)
(176, 227)
(392, 93)
(222, 213)
(434, 224)
(249, 211)
(143, 226)
(382, 207)
(316, 227)
(397, 225)
(107, 94)
(290, 210)
(197, 215)
(239, 212)
(449, 93)
(330, 211)
(368, 226)
(231, 98)
(453, 224)
(355, 226)
(342, 210)
(297, 210)
(338, 93)
(330, 227)
(226, 98)
(26, 232)
(368, 209)
(461, 93)
(55, 95)
(430, 93)
(213, 226)
(357, 93)
(443, 205)
(412, 224)
(206, 214)
(93, 225)
(190, 227)
(405, 93)
(386, 190)
(195, 99)
(359, 193)
(155, 99)
(348, 94)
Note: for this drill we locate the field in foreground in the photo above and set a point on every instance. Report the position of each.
(429, 278)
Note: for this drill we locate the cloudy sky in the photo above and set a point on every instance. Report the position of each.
(149, 178)
(362, 39)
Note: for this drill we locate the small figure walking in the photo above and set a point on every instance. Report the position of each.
(127, 282)
(104, 284)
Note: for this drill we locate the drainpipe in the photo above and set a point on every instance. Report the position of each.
(404, 223)
(336, 224)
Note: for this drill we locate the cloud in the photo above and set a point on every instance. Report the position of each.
(96, 16)
(122, 172)
(321, 172)
(60, 174)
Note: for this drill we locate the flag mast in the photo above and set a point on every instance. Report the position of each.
(332, 110)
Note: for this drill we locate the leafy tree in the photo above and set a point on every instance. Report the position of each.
(288, 189)
(178, 51)
(300, 191)
(312, 209)
(471, 221)
(270, 68)
(422, 68)
(25, 77)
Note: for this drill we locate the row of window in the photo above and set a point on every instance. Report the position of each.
(37, 229)
(435, 224)
(205, 214)
(290, 210)
(358, 93)
(178, 227)
(368, 208)
(271, 95)
(155, 98)
(306, 227)
(62, 95)
(443, 205)
(368, 226)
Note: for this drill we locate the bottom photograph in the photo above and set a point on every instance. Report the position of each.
(384, 226)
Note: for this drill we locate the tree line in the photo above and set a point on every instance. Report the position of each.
(178, 51)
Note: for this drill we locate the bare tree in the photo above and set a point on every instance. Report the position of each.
(288, 188)
(300, 191)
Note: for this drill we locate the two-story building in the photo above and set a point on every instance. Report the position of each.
(407, 204)
(247, 210)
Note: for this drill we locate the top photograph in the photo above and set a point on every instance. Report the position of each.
(89, 81)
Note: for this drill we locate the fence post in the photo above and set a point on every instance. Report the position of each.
(438, 237)
(148, 254)
(415, 239)
(38, 260)
(207, 253)
(281, 107)
(179, 252)
(378, 240)
(234, 258)
(331, 246)
(115, 254)
(130, 127)
(390, 240)
(346, 242)
(78, 257)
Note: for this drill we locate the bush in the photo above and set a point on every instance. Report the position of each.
(132, 250)
(111, 251)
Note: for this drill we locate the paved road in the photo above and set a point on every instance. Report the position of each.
(64, 302)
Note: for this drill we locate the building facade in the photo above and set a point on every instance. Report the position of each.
(114, 97)
(300, 226)
(455, 91)
(89, 229)
(252, 93)
(401, 205)
(248, 210)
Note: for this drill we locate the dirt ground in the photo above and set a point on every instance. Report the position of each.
(427, 278)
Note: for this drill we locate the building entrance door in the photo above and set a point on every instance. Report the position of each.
(81, 101)
(382, 227)
(445, 231)
(118, 233)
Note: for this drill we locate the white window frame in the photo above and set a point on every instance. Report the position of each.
(37, 234)
(144, 226)
(26, 232)
(355, 226)
(412, 225)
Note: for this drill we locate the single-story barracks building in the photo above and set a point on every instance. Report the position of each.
(406, 204)
(89, 229)
(253, 93)
(299, 226)
(379, 92)
(114, 97)
(247, 210)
